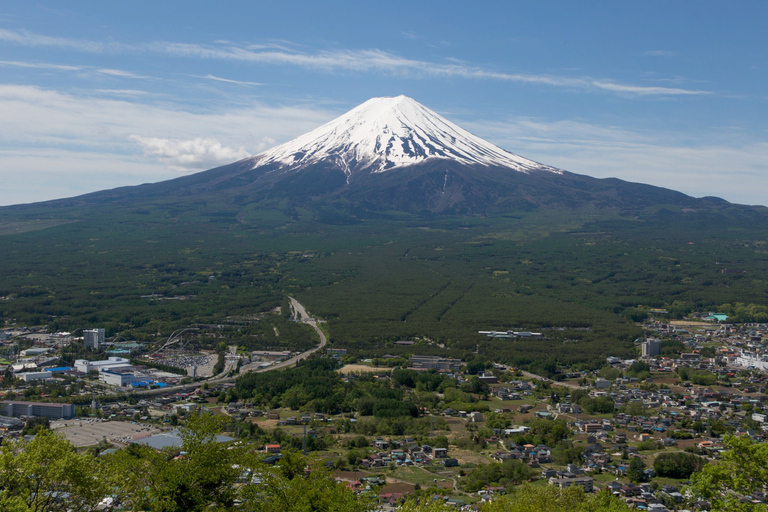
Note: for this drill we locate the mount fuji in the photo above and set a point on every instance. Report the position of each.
(387, 133)
(394, 154)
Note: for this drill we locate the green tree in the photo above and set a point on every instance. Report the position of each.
(678, 464)
(48, 475)
(741, 470)
(530, 498)
(635, 471)
(199, 475)
(302, 485)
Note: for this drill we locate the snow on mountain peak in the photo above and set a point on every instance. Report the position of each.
(384, 133)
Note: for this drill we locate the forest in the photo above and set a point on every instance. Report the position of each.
(581, 281)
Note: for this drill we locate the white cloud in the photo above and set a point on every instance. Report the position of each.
(54, 144)
(38, 65)
(119, 73)
(346, 60)
(227, 80)
(198, 153)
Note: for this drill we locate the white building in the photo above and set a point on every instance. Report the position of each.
(30, 376)
(119, 378)
(113, 363)
(93, 338)
(33, 352)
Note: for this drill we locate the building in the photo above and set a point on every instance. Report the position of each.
(435, 363)
(30, 376)
(38, 409)
(113, 363)
(562, 483)
(601, 383)
(651, 347)
(93, 338)
(120, 378)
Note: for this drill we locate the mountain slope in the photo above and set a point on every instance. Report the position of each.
(395, 154)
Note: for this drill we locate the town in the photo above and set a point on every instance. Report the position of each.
(463, 431)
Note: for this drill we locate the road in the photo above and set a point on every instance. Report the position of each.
(299, 313)
(552, 382)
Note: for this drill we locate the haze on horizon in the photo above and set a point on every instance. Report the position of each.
(100, 95)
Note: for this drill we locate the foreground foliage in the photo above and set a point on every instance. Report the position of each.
(741, 472)
(47, 474)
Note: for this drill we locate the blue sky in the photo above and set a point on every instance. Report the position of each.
(96, 95)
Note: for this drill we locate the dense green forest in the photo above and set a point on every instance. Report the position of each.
(582, 280)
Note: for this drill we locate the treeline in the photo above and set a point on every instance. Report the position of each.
(316, 385)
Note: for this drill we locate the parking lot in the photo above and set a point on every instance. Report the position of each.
(88, 432)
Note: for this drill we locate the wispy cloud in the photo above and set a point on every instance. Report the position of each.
(228, 80)
(38, 65)
(122, 92)
(371, 60)
(119, 73)
(63, 67)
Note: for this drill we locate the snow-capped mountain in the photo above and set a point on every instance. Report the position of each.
(387, 133)
(395, 155)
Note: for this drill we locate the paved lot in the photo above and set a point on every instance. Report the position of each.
(89, 432)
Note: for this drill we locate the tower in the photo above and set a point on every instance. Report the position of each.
(93, 338)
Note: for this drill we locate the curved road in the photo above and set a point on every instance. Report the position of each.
(304, 317)
(299, 314)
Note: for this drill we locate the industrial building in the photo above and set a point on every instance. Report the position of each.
(113, 363)
(38, 409)
(121, 377)
(30, 376)
(435, 363)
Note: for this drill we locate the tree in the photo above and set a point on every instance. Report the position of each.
(193, 478)
(529, 498)
(741, 471)
(635, 471)
(299, 484)
(48, 475)
(678, 464)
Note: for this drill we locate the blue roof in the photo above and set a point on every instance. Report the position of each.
(59, 369)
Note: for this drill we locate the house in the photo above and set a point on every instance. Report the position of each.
(272, 448)
(586, 482)
(440, 453)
